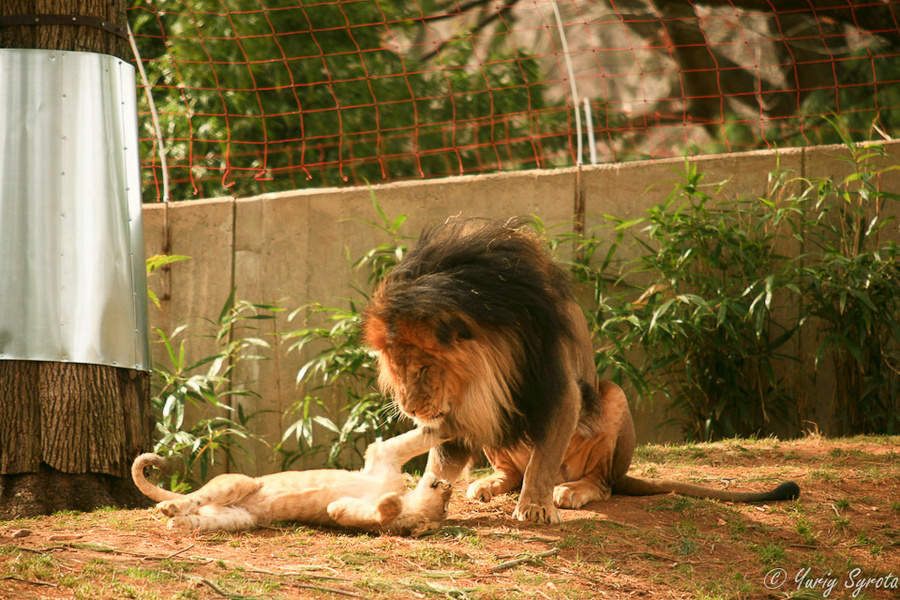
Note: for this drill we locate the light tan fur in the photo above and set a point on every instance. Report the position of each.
(595, 465)
(597, 454)
(372, 499)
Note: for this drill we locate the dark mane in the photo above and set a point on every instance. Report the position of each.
(499, 276)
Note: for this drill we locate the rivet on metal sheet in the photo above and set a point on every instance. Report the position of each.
(73, 242)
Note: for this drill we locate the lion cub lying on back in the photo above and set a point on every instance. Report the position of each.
(373, 499)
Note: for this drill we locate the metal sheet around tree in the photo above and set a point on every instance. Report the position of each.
(72, 274)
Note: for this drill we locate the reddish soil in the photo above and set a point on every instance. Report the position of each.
(841, 539)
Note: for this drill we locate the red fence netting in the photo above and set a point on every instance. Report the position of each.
(267, 95)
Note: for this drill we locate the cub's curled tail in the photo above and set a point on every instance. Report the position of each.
(157, 494)
(634, 486)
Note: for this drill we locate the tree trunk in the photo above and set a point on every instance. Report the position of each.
(69, 431)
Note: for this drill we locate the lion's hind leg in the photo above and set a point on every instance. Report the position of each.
(600, 455)
(215, 517)
(589, 468)
(223, 489)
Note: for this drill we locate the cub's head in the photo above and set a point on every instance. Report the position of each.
(421, 365)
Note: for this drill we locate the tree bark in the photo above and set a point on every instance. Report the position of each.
(69, 431)
(66, 37)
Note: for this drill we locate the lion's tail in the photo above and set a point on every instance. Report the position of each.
(148, 459)
(634, 486)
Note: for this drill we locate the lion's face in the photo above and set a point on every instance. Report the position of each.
(421, 364)
(421, 386)
(445, 374)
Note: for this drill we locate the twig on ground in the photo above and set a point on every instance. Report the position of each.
(322, 588)
(664, 557)
(176, 553)
(26, 549)
(102, 548)
(213, 587)
(31, 581)
(302, 572)
(573, 573)
(518, 538)
(526, 558)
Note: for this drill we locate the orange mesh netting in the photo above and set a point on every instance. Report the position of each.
(267, 95)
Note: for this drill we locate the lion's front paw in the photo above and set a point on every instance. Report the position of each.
(537, 513)
(177, 508)
(576, 494)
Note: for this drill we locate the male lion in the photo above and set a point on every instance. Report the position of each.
(480, 339)
(372, 499)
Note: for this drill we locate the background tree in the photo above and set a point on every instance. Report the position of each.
(68, 431)
(737, 69)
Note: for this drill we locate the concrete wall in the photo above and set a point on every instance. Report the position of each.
(292, 247)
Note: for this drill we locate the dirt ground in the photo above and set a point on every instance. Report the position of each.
(841, 539)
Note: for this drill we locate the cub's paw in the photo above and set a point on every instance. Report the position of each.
(537, 513)
(388, 508)
(431, 517)
(427, 507)
(375, 454)
(575, 494)
(340, 508)
(428, 480)
(182, 523)
(437, 491)
(444, 489)
(177, 508)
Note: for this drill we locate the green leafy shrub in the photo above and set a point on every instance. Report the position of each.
(709, 271)
(219, 428)
(721, 286)
(342, 367)
(708, 313)
(851, 287)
